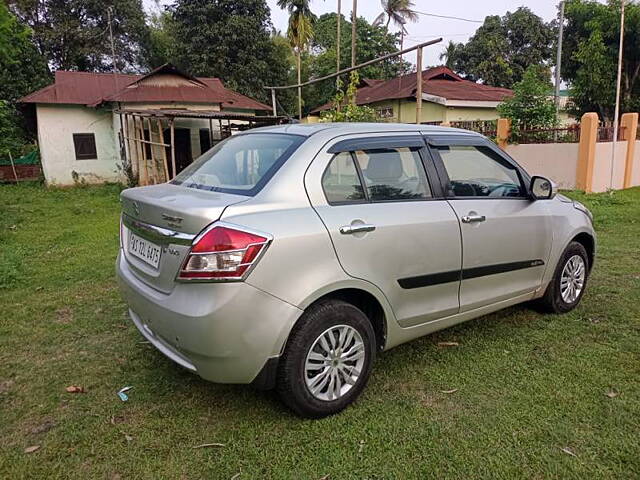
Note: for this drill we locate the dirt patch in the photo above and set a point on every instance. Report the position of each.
(64, 316)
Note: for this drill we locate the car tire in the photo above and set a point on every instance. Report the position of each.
(558, 297)
(318, 376)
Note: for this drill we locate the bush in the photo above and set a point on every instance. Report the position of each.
(348, 111)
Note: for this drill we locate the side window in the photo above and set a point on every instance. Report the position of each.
(340, 180)
(476, 171)
(393, 174)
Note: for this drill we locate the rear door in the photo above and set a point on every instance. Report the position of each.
(389, 223)
(506, 236)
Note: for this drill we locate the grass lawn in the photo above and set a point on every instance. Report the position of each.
(531, 397)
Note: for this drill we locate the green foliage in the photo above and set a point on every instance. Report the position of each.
(159, 47)
(530, 107)
(345, 108)
(372, 41)
(398, 11)
(229, 39)
(74, 35)
(503, 48)
(590, 56)
(22, 70)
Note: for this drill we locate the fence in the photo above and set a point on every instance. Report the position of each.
(570, 134)
(488, 128)
(578, 156)
(26, 167)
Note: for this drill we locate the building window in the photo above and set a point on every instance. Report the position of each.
(85, 146)
(386, 112)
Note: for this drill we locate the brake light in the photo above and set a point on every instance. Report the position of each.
(223, 252)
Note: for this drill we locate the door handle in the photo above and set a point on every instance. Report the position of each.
(363, 227)
(473, 218)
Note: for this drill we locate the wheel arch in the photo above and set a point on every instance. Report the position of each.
(372, 303)
(589, 243)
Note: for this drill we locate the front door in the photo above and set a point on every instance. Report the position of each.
(389, 223)
(506, 236)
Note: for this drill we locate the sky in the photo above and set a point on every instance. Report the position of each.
(428, 27)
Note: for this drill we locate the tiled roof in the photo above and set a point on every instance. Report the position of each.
(438, 81)
(92, 89)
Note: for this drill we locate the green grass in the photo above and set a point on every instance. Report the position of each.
(528, 384)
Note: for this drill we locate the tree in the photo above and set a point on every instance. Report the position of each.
(590, 56)
(530, 107)
(503, 48)
(299, 33)
(229, 39)
(160, 46)
(398, 11)
(22, 70)
(373, 41)
(450, 53)
(74, 34)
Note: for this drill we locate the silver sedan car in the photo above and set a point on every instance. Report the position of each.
(288, 257)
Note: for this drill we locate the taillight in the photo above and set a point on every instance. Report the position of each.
(223, 252)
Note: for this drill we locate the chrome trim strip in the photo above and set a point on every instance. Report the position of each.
(159, 234)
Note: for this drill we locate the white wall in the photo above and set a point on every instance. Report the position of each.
(56, 126)
(602, 166)
(557, 161)
(635, 173)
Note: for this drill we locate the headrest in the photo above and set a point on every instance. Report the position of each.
(384, 166)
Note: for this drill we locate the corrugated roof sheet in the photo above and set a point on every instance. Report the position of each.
(84, 88)
(438, 81)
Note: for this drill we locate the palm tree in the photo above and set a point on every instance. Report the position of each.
(398, 11)
(299, 33)
(449, 54)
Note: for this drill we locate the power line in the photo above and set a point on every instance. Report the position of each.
(448, 17)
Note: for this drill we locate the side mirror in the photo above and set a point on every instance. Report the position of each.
(542, 188)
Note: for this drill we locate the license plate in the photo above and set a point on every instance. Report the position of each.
(143, 249)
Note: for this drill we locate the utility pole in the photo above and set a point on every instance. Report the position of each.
(617, 109)
(338, 37)
(354, 17)
(113, 48)
(559, 58)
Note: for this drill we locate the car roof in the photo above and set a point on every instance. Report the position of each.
(308, 129)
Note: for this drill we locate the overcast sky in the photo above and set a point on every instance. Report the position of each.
(427, 27)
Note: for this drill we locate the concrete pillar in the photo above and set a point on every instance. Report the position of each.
(587, 151)
(503, 132)
(629, 122)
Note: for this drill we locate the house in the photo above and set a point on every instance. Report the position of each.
(446, 98)
(90, 125)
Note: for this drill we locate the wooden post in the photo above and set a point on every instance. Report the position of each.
(629, 123)
(173, 149)
(144, 172)
(164, 152)
(13, 167)
(154, 165)
(419, 87)
(587, 151)
(503, 132)
(273, 101)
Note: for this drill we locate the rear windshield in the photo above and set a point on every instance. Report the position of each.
(241, 164)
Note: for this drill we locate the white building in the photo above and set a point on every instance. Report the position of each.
(80, 130)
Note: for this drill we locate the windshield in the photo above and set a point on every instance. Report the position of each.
(241, 164)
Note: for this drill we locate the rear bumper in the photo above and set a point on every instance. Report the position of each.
(225, 332)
